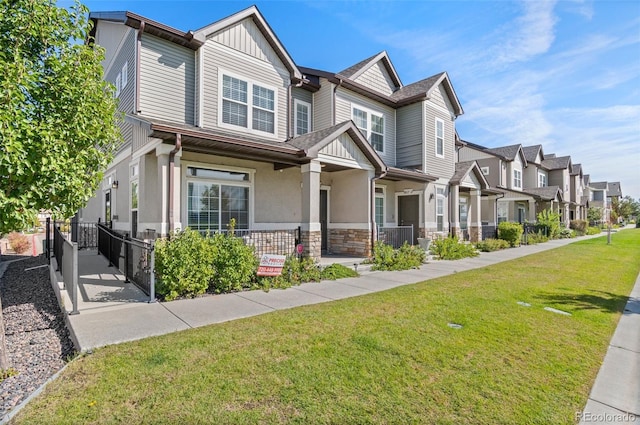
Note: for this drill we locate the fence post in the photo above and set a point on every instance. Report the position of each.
(74, 228)
(126, 258)
(109, 251)
(74, 279)
(46, 242)
(152, 274)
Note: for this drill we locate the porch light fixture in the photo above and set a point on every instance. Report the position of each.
(114, 185)
(431, 196)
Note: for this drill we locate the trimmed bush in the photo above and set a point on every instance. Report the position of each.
(536, 238)
(18, 242)
(566, 234)
(452, 249)
(294, 272)
(510, 232)
(580, 226)
(183, 265)
(405, 258)
(234, 264)
(337, 271)
(490, 245)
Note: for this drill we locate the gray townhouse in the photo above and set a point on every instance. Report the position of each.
(221, 123)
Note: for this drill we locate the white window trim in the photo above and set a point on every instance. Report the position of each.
(185, 186)
(443, 197)
(250, 83)
(118, 84)
(517, 186)
(382, 195)
(297, 102)
(371, 112)
(540, 177)
(125, 75)
(435, 137)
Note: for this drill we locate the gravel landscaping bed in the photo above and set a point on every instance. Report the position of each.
(38, 342)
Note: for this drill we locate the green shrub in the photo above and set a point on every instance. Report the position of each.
(405, 258)
(490, 245)
(337, 271)
(510, 232)
(294, 272)
(452, 249)
(234, 263)
(183, 265)
(536, 238)
(552, 221)
(580, 226)
(566, 233)
(18, 242)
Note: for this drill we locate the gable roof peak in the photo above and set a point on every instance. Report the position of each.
(356, 70)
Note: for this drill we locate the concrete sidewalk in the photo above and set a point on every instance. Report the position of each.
(112, 312)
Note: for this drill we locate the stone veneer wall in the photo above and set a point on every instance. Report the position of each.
(356, 242)
(475, 234)
(312, 242)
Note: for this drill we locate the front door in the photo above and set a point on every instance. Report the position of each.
(324, 213)
(409, 213)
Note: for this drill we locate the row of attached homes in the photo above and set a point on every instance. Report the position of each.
(221, 123)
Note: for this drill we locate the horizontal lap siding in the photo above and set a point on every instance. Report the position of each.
(126, 99)
(438, 107)
(322, 106)
(167, 80)
(409, 136)
(343, 113)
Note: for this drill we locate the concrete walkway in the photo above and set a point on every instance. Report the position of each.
(112, 312)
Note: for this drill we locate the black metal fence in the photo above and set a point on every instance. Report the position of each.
(277, 242)
(133, 257)
(489, 232)
(396, 236)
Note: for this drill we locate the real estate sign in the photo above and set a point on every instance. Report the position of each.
(271, 265)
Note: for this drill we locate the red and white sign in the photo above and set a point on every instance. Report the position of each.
(271, 265)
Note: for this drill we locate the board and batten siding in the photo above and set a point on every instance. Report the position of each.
(323, 106)
(242, 51)
(344, 101)
(345, 148)
(409, 136)
(167, 80)
(377, 78)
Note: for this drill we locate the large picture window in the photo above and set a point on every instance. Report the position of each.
(214, 197)
(248, 105)
(371, 124)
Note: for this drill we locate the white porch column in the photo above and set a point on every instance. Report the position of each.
(455, 210)
(532, 211)
(311, 234)
(475, 225)
(162, 154)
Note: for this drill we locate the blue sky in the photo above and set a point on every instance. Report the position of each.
(564, 74)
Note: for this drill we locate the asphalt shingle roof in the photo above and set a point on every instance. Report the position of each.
(599, 185)
(546, 193)
(531, 152)
(507, 152)
(556, 163)
(614, 189)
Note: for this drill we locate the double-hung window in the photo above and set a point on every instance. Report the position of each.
(371, 124)
(440, 209)
(517, 179)
(379, 204)
(248, 105)
(303, 117)
(215, 196)
(542, 180)
(439, 137)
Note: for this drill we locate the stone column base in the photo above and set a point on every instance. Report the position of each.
(475, 234)
(312, 243)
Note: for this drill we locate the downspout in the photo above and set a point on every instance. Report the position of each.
(172, 157)
(333, 104)
(372, 206)
(138, 49)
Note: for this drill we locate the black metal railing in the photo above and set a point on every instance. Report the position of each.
(133, 257)
(58, 240)
(396, 236)
(489, 232)
(277, 242)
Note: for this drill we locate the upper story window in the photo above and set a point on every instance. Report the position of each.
(517, 178)
(371, 124)
(542, 180)
(248, 105)
(302, 118)
(439, 137)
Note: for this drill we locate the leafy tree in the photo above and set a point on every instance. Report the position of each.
(626, 207)
(58, 122)
(594, 215)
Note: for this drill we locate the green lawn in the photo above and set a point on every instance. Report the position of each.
(388, 357)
